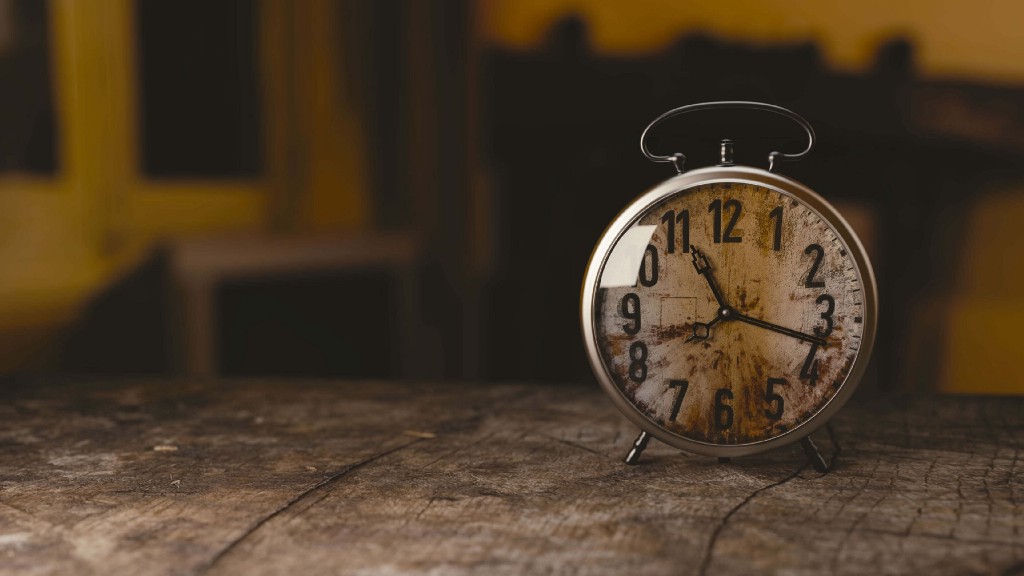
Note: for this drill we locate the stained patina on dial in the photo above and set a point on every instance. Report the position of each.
(729, 313)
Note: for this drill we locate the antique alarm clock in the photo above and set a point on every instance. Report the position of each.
(729, 310)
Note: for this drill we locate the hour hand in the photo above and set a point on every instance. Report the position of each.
(700, 261)
(702, 331)
(703, 267)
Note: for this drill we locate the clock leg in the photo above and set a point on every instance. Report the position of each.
(638, 448)
(814, 455)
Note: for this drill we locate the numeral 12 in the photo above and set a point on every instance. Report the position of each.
(716, 207)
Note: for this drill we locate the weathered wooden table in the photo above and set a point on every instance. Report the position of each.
(255, 477)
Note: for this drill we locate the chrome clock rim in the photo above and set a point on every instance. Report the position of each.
(744, 175)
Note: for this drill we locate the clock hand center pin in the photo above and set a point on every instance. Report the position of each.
(702, 331)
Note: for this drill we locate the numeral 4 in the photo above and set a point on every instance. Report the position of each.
(809, 371)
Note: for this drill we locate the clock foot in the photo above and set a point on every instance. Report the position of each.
(638, 448)
(814, 455)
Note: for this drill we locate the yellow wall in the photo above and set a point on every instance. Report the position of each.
(64, 238)
(978, 39)
(984, 312)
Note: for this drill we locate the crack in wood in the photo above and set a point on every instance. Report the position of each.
(458, 450)
(574, 445)
(834, 565)
(296, 500)
(710, 548)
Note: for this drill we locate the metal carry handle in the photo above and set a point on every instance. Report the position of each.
(678, 159)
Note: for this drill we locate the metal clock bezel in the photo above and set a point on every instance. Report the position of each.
(731, 174)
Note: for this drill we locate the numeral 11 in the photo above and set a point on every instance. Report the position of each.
(669, 219)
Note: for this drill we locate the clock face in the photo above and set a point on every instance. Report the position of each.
(729, 313)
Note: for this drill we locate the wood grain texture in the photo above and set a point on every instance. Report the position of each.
(267, 477)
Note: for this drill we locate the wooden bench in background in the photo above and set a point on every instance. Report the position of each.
(198, 267)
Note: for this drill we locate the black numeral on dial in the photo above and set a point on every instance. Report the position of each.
(723, 411)
(670, 219)
(649, 274)
(826, 315)
(716, 208)
(775, 402)
(630, 309)
(812, 276)
(809, 371)
(638, 366)
(681, 387)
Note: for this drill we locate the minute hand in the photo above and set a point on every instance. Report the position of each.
(776, 328)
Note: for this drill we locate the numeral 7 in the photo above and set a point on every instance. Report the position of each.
(681, 387)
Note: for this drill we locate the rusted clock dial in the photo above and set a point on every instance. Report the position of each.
(729, 310)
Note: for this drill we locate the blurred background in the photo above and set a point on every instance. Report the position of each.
(411, 189)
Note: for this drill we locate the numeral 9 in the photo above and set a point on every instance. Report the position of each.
(634, 314)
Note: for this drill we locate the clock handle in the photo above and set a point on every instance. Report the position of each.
(678, 159)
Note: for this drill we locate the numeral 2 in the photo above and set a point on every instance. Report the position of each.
(716, 208)
(819, 255)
